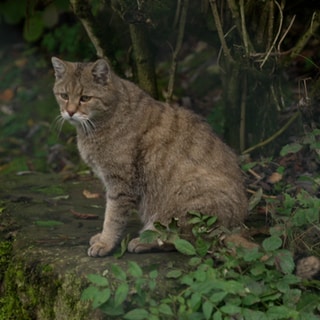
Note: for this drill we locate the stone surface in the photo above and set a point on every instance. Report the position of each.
(48, 264)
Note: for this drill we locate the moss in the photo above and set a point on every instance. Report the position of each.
(34, 291)
(5, 256)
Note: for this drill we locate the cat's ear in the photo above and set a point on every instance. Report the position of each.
(59, 67)
(101, 72)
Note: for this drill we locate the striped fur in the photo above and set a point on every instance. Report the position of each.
(160, 159)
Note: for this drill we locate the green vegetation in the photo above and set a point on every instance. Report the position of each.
(241, 284)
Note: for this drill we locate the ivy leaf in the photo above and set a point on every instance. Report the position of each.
(184, 247)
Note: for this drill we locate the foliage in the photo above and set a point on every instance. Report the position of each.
(310, 140)
(251, 284)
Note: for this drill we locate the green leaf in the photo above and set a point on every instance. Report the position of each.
(255, 199)
(123, 247)
(174, 274)
(230, 309)
(149, 236)
(217, 315)
(33, 27)
(97, 296)
(253, 314)
(184, 247)
(111, 310)
(48, 223)
(98, 280)
(218, 297)
(153, 274)
(118, 273)
(101, 298)
(202, 246)
(290, 148)
(121, 294)
(195, 261)
(137, 314)
(165, 309)
(89, 293)
(207, 309)
(195, 301)
(272, 243)
(285, 261)
(134, 269)
(212, 220)
(281, 312)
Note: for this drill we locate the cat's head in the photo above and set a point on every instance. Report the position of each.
(82, 90)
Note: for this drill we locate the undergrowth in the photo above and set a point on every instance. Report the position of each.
(220, 282)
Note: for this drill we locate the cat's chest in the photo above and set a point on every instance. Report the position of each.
(95, 155)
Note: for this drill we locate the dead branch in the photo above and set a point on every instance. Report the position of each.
(275, 135)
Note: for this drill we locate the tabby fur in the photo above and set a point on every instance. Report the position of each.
(157, 158)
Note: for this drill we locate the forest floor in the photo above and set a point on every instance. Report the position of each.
(51, 205)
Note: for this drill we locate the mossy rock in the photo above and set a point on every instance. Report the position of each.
(44, 266)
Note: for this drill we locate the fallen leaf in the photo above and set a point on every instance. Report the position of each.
(275, 177)
(90, 195)
(84, 216)
(7, 95)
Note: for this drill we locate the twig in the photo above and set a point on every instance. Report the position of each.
(286, 32)
(243, 114)
(82, 10)
(263, 195)
(257, 176)
(275, 38)
(275, 135)
(243, 28)
(314, 25)
(270, 24)
(173, 69)
(214, 9)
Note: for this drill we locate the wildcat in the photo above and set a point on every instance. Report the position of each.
(160, 159)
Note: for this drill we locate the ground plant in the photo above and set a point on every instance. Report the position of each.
(217, 283)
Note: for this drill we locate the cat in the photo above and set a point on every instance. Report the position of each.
(160, 159)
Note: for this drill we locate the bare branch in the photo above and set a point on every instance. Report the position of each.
(276, 36)
(314, 25)
(82, 10)
(173, 69)
(215, 13)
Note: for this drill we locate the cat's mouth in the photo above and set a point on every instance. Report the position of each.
(82, 121)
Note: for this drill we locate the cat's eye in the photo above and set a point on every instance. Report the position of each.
(64, 96)
(84, 98)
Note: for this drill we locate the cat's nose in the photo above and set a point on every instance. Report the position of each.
(71, 113)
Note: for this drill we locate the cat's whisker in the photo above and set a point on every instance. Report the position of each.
(58, 124)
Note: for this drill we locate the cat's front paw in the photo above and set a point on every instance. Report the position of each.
(136, 246)
(98, 248)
